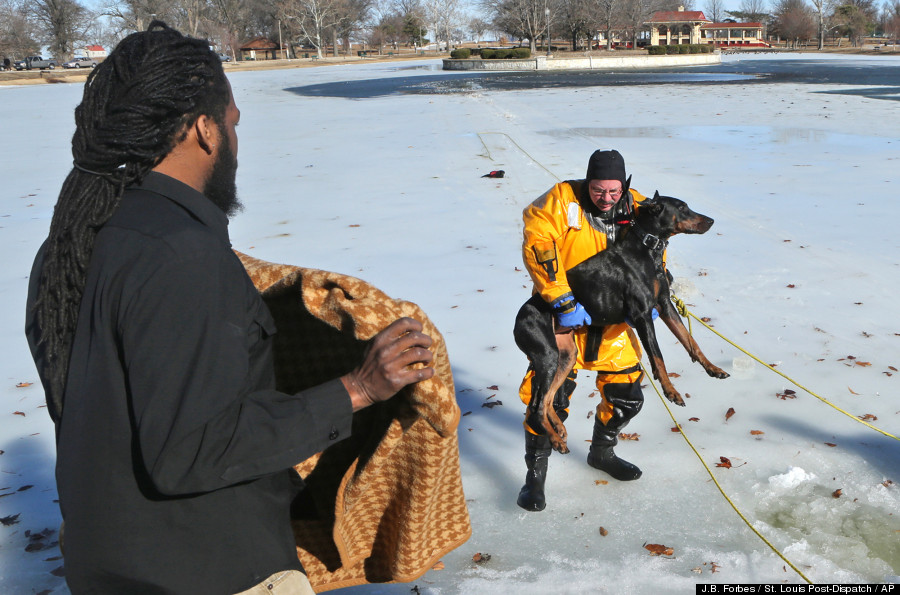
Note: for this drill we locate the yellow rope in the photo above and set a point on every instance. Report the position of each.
(715, 481)
(682, 309)
(541, 165)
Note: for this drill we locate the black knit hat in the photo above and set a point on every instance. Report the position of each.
(606, 165)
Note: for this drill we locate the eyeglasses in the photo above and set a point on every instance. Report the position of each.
(611, 193)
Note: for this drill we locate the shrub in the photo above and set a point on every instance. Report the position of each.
(671, 49)
(694, 48)
(461, 53)
(656, 50)
(488, 54)
(521, 53)
(684, 49)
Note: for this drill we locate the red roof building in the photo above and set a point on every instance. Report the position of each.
(673, 27)
(94, 51)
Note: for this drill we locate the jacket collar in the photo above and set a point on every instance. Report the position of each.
(195, 203)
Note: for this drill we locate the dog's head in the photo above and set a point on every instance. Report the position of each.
(666, 216)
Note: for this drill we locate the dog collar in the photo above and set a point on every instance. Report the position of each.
(652, 242)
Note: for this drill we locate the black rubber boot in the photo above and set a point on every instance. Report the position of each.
(537, 451)
(627, 401)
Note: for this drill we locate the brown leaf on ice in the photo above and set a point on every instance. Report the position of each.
(715, 567)
(634, 436)
(467, 413)
(19, 413)
(831, 444)
(23, 384)
(600, 482)
(867, 417)
(493, 387)
(676, 428)
(603, 532)
(480, 558)
(837, 493)
(852, 392)
(863, 364)
(25, 488)
(694, 419)
(706, 319)
(892, 368)
(674, 375)
(492, 404)
(756, 432)
(791, 286)
(787, 394)
(657, 549)
(60, 571)
(729, 413)
(724, 462)
(353, 225)
(10, 520)
(887, 483)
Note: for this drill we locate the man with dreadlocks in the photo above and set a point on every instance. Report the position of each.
(174, 451)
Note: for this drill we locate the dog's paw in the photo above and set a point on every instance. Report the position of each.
(675, 398)
(717, 372)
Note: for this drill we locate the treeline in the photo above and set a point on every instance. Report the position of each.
(66, 26)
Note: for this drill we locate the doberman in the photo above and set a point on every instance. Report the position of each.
(624, 282)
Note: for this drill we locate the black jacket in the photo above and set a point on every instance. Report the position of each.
(174, 449)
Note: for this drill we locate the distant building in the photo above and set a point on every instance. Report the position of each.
(95, 51)
(733, 34)
(261, 48)
(674, 27)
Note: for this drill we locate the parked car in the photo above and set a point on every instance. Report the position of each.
(35, 62)
(225, 57)
(80, 63)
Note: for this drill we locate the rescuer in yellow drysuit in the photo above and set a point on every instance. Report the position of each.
(571, 222)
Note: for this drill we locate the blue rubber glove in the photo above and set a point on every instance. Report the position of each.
(653, 315)
(570, 314)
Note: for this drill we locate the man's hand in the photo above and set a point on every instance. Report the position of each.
(389, 363)
(569, 313)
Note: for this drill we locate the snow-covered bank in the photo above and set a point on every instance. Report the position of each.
(801, 268)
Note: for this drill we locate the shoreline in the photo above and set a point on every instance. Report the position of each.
(25, 78)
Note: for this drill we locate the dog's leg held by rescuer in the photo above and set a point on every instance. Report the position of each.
(670, 316)
(550, 422)
(552, 356)
(643, 324)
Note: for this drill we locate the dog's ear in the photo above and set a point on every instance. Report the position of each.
(656, 195)
(651, 205)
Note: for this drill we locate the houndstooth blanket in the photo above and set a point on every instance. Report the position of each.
(388, 501)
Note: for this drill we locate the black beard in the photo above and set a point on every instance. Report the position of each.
(220, 188)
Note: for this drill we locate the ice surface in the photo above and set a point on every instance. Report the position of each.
(801, 269)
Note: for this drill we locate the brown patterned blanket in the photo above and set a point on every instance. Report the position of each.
(388, 501)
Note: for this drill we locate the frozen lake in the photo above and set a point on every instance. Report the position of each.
(374, 170)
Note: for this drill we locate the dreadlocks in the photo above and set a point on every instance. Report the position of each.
(137, 105)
